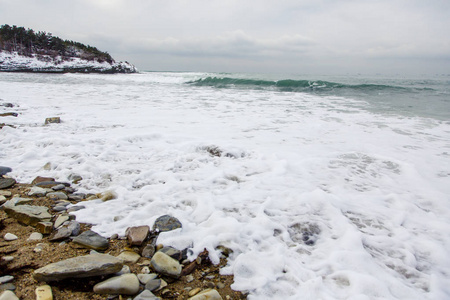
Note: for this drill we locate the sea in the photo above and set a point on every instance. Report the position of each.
(323, 187)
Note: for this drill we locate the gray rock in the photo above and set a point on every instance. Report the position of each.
(172, 252)
(92, 240)
(57, 196)
(166, 223)
(148, 251)
(37, 191)
(6, 182)
(58, 187)
(59, 208)
(74, 228)
(27, 214)
(50, 184)
(146, 295)
(153, 284)
(20, 201)
(5, 279)
(79, 267)
(76, 197)
(69, 190)
(8, 295)
(137, 235)
(126, 284)
(208, 294)
(61, 234)
(4, 170)
(7, 286)
(144, 278)
(75, 208)
(166, 265)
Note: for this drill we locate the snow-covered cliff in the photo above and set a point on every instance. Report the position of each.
(14, 62)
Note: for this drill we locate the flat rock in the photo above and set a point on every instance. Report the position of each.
(50, 184)
(61, 234)
(144, 278)
(208, 294)
(92, 240)
(79, 267)
(127, 284)
(40, 179)
(146, 295)
(153, 284)
(44, 292)
(137, 235)
(6, 182)
(4, 170)
(129, 256)
(27, 214)
(37, 191)
(57, 196)
(60, 220)
(166, 223)
(8, 295)
(5, 279)
(166, 265)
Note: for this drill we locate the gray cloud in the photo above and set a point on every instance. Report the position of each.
(260, 35)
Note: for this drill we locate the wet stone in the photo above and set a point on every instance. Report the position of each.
(166, 223)
(58, 187)
(4, 170)
(40, 179)
(6, 182)
(76, 197)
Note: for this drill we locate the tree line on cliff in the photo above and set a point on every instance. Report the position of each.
(27, 42)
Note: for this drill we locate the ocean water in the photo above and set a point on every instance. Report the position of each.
(324, 188)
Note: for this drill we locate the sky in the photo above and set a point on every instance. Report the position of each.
(282, 36)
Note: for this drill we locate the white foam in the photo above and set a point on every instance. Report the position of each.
(370, 191)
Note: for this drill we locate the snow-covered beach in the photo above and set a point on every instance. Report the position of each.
(319, 195)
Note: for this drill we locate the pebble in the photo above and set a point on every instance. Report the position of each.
(37, 191)
(58, 187)
(172, 252)
(44, 292)
(74, 197)
(5, 193)
(39, 247)
(60, 220)
(8, 295)
(35, 236)
(145, 270)
(220, 285)
(144, 278)
(209, 294)
(57, 196)
(7, 258)
(59, 208)
(194, 292)
(127, 284)
(75, 208)
(6, 182)
(125, 270)
(148, 251)
(153, 284)
(5, 279)
(166, 265)
(189, 278)
(115, 236)
(10, 237)
(129, 256)
(2, 199)
(145, 295)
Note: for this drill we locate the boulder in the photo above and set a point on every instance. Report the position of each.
(79, 267)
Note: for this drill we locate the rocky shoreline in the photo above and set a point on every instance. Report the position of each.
(45, 251)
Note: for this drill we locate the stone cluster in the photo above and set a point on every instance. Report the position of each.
(161, 265)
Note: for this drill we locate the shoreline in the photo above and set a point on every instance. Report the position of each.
(25, 256)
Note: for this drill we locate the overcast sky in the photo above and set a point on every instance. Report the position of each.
(295, 36)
